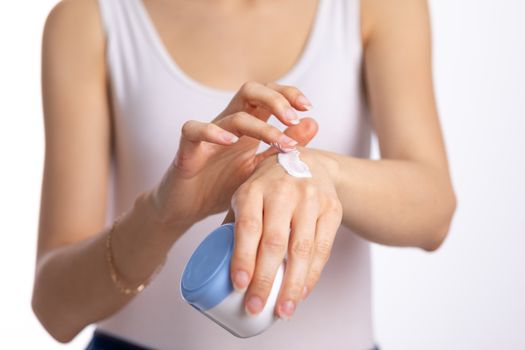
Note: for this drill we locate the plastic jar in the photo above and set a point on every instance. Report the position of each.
(206, 285)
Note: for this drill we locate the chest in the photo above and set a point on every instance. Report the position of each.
(222, 47)
(154, 93)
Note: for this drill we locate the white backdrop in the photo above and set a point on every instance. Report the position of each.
(468, 295)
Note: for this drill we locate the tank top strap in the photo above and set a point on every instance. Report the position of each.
(122, 20)
(126, 38)
(353, 12)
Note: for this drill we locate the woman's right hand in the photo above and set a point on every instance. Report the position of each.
(215, 158)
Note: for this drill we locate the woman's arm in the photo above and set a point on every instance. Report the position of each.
(391, 202)
(73, 287)
(72, 283)
(404, 199)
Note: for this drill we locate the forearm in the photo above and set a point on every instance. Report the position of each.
(73, 287)
(394, 202)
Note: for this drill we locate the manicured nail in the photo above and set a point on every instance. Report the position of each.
(286, 140)
(254, 305)
(302, 100)
(240, 280)
(286, 309)
(231, 138)
(291, 116)
(305, 292)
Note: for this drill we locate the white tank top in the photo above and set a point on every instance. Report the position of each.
(152, 97)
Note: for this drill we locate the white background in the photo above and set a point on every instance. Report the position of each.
(468, 295)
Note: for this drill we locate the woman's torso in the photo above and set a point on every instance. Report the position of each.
(152, 97)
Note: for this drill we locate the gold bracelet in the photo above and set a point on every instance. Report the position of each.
(117, 281)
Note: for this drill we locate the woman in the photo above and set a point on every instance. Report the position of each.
(122, 77)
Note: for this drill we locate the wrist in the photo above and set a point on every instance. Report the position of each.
(322, 161)
(136, 245)
(171, 227)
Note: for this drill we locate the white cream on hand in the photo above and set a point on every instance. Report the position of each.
(292, 164)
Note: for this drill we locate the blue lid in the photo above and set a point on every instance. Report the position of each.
(206, 280)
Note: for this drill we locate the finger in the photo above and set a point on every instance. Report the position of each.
(190, 157)
(259, 95)
(300, 249)
(247, 205)
(194, 131)
(295, 96)
(326, 230)
(302, 133)
(245, 124)
(278, 212)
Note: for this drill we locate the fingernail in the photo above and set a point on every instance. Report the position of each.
(305, 292)
(286, 309)
(285, 139)
(240, 280)
(291, 116)
(254, 305)
(231, 138)
(282, 148)
(305, 102)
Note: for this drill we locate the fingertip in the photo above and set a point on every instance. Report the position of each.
(253, 305)
(304, 102)
(286, 309)
(240, 280)
(229, 138)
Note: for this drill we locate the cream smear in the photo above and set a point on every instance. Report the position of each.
(292, 164)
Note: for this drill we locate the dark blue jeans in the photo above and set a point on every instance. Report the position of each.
(102, 341)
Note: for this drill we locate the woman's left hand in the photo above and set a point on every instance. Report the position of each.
(276, 214)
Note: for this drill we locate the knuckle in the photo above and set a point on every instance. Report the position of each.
(323, 249)
(282, 185)
(248, 86)
(281, 194)
(209, 128)
(294, 288)
(333, 204)
(263, 281)
(272, 132)
(238, 117)
(301, 248)
(274, 243)
(247, 224)
(276, 100)
(290, 91)
(310, 191)
(243, 259)
(247, 190)
(187, 126)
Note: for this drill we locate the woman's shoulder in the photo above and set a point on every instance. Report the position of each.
(379, 16)
(74, 23)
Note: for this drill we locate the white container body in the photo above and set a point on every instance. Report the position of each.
(231, 314)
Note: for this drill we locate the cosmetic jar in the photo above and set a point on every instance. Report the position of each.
(206, 285)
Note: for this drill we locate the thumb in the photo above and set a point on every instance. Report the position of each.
(303, 133)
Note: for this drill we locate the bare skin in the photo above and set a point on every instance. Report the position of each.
(404, 199)
(72, 285)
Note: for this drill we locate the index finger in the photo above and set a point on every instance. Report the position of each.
(283, 106)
